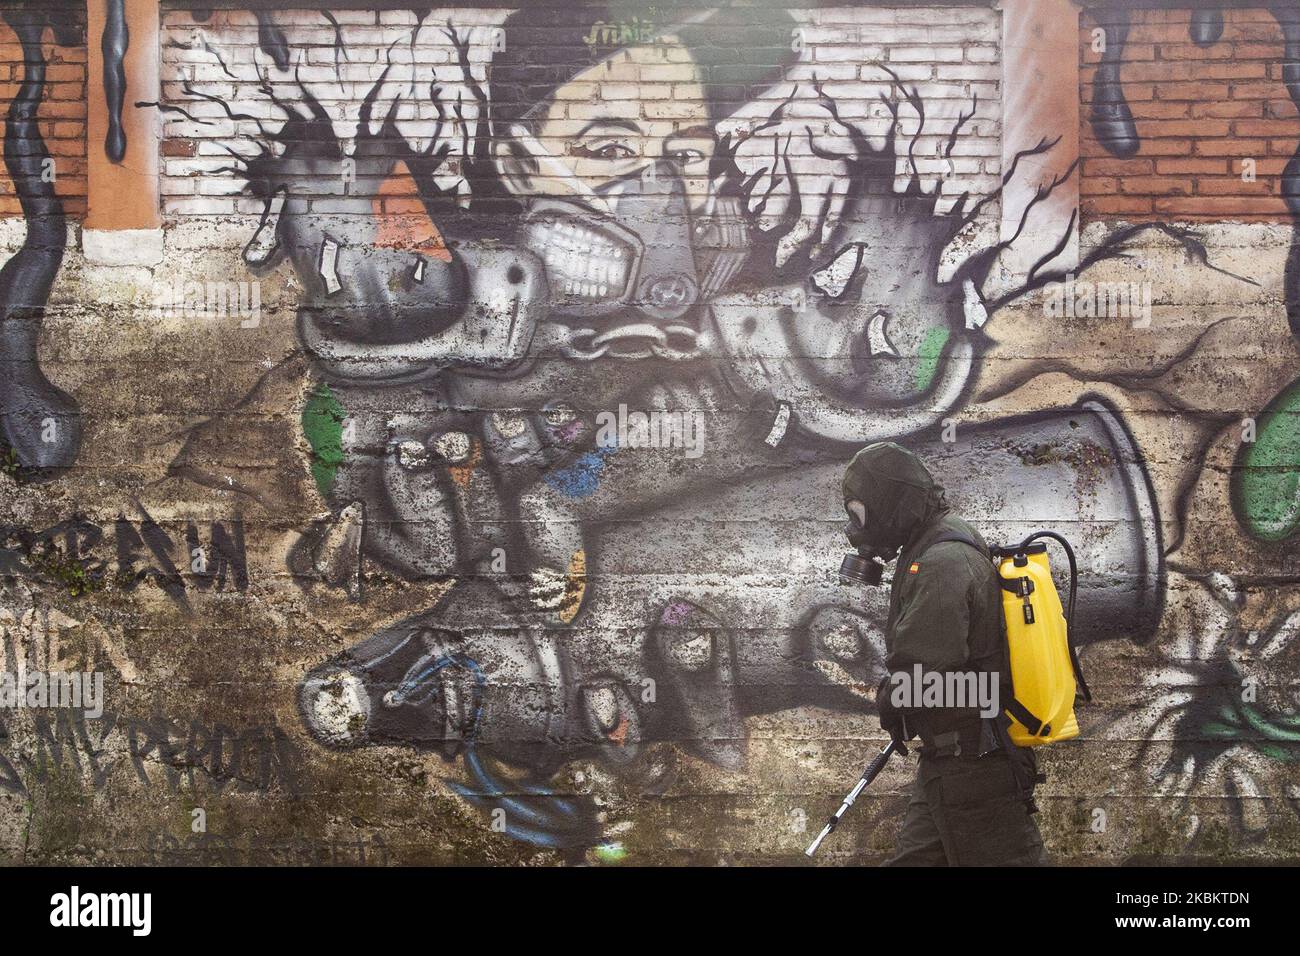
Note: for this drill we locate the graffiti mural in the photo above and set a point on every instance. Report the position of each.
(751, 262)
(478, 426)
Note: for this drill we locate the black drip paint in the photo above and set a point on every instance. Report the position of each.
(116, 40)
(1288, 19)
(1206, 27)
(1111, 118)
(41, 423)
(272, 40)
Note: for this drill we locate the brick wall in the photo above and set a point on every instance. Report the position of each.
(949, 55)
(1200, 112)
(62, 118)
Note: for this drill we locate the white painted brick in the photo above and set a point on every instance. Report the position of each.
(198, 207)
(832, 54)
(908, 72)
(192, 167)
(331, 55)
(990, 73)
(926, 54)
(218, 185)
(315, 17)
(832, 71)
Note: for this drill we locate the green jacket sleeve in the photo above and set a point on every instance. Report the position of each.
(933, 623)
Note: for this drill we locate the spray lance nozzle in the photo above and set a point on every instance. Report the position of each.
(873, 770)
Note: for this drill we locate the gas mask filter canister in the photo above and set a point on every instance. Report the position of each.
(867, 566)
(855, 569)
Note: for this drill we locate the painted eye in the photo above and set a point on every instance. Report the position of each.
(686, 157)
(609, 152)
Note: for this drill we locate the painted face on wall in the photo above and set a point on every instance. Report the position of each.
(594, 130)
(617, 196)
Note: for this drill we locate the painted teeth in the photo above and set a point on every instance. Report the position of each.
(586, 262)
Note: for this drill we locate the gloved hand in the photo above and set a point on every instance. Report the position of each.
(891, 718)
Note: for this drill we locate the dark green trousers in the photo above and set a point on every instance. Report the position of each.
(971, 811)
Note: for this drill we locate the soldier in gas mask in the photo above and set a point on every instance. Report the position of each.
(973, 800)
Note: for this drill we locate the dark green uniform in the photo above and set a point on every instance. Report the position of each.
(945, 615)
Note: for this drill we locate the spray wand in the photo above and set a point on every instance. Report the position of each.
(873, 770)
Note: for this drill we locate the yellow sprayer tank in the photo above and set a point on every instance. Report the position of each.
(1042, 673)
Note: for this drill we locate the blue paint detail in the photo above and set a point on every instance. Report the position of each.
(580, 479)
(533, 814)
(409, 691)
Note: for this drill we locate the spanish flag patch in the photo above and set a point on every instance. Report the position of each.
(916, 566)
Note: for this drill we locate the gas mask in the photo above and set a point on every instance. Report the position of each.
(644, 254)
(867, 566)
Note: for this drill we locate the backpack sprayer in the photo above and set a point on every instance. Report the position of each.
(1043, 664)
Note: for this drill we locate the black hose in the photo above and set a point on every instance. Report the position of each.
(1069, 609)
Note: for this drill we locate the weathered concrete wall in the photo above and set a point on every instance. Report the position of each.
(454, 476)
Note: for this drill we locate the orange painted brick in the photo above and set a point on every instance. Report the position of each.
(1233, 109)
(1098, 185)
(1198, 128)
(64, 110)
(1189, 72)
(1219, 207)
(1266, 165)
(1235, 186)
(65, 72)
(1134, 92)
(1237, 29)
(1266, 127)
(1116, 206)
(1254, 91)
(1156, 186)
(1159, 109)
(1117, 167)
(1257, 51)
(1166, 147)
(1190, 51)
(1191, 166)
(1197, 92)
(1236, 146)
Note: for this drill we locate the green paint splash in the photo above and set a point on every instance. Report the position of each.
(1266, 484)
(610, 852)
(930, 353)
(1276, 736)
(322, 423)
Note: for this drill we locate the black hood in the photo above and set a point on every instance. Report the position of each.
(900, 495)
